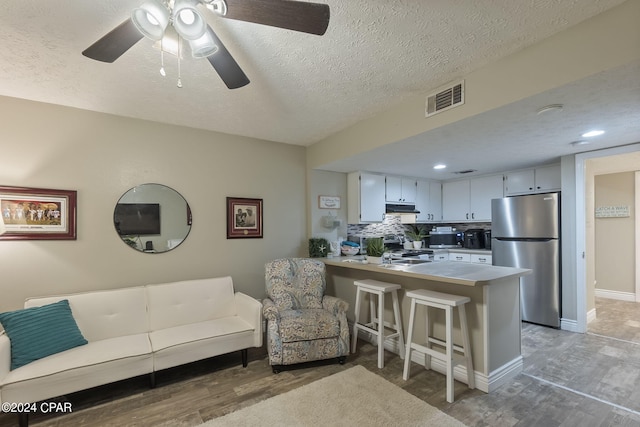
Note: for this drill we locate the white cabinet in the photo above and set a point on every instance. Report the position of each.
(471, 256)
(365, 197)
(455, 256)
(529, 181)
(548, 178)
(429, 201)
(455, 201)
(441, 256)
(482, 190)
(400, 190)
(481, 259)
(470, 200)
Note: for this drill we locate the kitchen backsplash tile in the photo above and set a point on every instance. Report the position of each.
(392, 225)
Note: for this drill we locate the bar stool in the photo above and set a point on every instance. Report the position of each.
(446, 302)
(377, 324)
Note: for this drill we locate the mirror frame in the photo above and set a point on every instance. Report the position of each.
(170, 212)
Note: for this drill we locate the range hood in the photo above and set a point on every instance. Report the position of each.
(401, 209)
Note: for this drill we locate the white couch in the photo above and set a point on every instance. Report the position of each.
(136, 331)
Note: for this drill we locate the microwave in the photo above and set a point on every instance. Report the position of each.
(446, 239)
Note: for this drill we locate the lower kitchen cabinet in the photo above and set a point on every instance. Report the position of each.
(481, 259)
(454, 256)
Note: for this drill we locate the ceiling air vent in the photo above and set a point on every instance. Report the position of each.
(448, 98)
(465, 171)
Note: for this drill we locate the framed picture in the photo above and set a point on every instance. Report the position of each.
(329, 202)
(244, 218)
(38, 214)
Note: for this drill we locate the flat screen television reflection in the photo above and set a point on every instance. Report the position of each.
(137, 219)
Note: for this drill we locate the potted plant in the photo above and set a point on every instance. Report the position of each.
(318, 247)
(375, 249)
(416, 234)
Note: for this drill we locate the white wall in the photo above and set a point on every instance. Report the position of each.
(615, 237)
(102, 156)
(324, 183)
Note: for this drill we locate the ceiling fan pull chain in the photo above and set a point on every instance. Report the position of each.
(179, 53)
(162, 72)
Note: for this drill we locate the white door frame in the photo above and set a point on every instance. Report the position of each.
(637, 228)
(581, 225)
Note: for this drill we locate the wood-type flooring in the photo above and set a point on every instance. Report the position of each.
(569, 379)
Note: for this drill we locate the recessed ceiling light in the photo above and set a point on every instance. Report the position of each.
(440, 166)
(580, 142)
(550, 108)
(592, 133)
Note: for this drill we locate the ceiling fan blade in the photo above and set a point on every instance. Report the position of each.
(114, 43)
(227, 67)
(312, 18)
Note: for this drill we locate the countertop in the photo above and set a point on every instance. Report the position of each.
(459, 273)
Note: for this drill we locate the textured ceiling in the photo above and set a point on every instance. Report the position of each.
(374, 55)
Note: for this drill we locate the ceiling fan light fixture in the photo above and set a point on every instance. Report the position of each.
(204, 46)
(151, 19)
(217, 6)
(187, 20)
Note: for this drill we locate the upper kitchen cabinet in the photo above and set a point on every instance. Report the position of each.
(429, 201)
(529, 181)
(470, 200)
(400, 190)
(365, 197)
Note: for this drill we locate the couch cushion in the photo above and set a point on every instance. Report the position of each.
(191, 301)
(105, 314)
(178, 335)
(39, 332)
(295, 283)
(312, 324)
(92, 354)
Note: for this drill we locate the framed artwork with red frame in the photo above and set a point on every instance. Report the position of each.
(38, 213)
(244, 218)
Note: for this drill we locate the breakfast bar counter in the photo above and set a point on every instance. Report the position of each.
(493, 313)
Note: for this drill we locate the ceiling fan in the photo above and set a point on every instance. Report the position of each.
(156, 19)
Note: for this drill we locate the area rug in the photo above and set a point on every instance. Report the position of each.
(350, 398)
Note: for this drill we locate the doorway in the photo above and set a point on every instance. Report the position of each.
(614, 314)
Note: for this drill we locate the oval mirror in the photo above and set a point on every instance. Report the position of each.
(152, 218)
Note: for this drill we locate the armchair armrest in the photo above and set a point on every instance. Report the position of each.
(270, 311)
(5, 355)
(334, 305)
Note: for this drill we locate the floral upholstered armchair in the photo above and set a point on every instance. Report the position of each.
(303, 324)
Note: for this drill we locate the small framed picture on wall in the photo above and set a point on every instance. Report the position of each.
(244, 218)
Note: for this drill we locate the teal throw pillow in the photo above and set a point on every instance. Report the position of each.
(39, 332)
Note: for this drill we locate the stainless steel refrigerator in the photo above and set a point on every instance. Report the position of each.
(525, 233)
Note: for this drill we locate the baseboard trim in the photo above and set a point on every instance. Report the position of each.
(570, 325)
(591, 315)
(617, 295)
(483, 382)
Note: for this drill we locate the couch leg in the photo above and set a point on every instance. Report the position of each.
(342, 359)
(244, 357)
(23, 419)
(152, 380)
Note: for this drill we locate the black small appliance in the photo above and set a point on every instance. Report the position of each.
(487, 239)
(474, 238)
